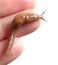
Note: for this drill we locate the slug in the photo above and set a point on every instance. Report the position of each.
(18, 21)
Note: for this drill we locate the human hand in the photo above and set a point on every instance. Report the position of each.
(8, 10)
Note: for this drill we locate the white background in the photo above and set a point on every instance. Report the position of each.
(41, 47)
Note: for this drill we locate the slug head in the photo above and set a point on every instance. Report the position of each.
(23, 18)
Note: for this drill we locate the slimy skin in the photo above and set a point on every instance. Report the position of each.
(23, 18)
(18, 21)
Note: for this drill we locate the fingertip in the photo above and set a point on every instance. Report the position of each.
(27, 29)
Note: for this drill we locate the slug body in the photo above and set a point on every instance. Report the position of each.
(18, 21)
(23, 18)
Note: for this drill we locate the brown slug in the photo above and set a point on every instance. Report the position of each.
(18, 21)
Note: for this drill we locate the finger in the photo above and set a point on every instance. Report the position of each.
(8, 7)
(5, 26)
(14, 53)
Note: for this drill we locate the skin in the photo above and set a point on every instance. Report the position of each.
(7, 14)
